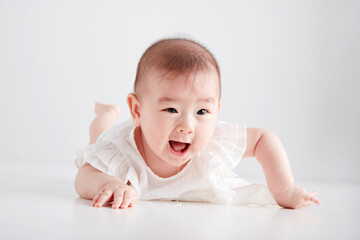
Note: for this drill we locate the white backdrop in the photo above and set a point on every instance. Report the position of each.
(289, 66)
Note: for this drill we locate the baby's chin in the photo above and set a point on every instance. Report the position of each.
(179, 163)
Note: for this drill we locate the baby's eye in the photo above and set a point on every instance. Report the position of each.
(202, 112)
(171, 110)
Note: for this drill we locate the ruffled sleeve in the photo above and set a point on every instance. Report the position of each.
(229, 143)
(105, 157)
(223, 154)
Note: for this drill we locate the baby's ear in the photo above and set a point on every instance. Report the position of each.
(134, 107)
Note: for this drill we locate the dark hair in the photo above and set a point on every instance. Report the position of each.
(177, 55)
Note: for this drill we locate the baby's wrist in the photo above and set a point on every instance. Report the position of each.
(283, 189)
(112, 180)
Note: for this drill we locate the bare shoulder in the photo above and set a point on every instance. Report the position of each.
(253, 137)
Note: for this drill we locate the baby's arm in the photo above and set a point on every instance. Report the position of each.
(270, 153)
(91, 183)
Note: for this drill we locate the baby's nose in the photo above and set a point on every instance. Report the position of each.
(185, 127)
(183, 130)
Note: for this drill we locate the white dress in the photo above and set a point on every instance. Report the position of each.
(206, 178)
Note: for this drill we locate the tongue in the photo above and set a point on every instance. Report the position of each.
(177, 146)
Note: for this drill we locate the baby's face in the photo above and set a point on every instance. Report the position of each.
(178, 116)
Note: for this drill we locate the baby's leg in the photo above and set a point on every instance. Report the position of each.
(106, 117)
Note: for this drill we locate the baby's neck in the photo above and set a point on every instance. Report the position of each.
(157, 166)
(161, 169)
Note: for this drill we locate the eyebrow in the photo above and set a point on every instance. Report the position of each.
(171, 99)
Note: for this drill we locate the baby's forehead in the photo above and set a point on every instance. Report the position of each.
(199, 82)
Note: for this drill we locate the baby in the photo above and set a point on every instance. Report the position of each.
(174, 148)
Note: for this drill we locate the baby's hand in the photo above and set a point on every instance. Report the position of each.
(296, 197)
(121, 194)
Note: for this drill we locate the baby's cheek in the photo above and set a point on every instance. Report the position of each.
(207, 133)
(204, 140)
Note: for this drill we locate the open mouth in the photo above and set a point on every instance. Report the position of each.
(179, 147)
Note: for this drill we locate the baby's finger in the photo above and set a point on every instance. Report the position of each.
(118, 199)
(133, 201)
(307, 203)
(127, 200)
(96, 197)
(313, 198)
(105, 197)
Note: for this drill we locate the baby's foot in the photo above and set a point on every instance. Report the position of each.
(296, 197)
(101, 108)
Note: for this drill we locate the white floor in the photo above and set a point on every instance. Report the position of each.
(40, 203)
